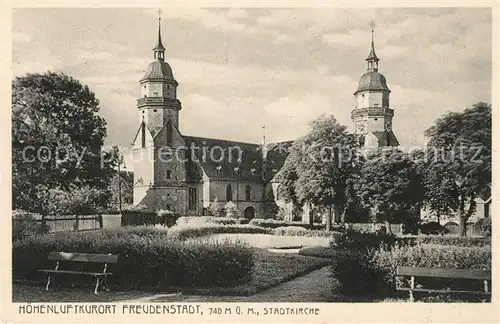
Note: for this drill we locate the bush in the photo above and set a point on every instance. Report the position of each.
(184, 232)
(145, 259)
(209, 220)
(273, 223)
(355, 240)
(216, 209)
(484, 224)
(430, 256)
(433, 228)
(25, 225)
(300, 231)
(231, 210)
(446, 240)
(372, 271)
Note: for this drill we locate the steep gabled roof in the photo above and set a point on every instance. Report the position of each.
(218, 158)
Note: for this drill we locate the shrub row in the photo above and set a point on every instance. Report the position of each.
(355, 240)
(273, 223)
(447, 240)
(301, 231)
(187, 231)
(145, 258)
(372, 271)
(204, 220)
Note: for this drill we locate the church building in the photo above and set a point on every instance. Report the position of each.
(185, 174)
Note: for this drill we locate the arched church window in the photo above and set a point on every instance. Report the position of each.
(169, 133)
(229, 193)
(278, 194)
(248, 193)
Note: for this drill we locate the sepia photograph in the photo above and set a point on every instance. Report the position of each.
(169, 156)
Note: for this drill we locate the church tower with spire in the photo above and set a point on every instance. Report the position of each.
(372, 115)
(159, 164)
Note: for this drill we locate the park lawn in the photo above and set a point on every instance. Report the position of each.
(271, 269)
(36, 293)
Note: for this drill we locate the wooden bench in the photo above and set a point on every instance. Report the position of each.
(101, 277)
(471, 274)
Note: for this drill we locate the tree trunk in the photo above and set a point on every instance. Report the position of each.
(329, 219)
(337, 213)
(388, 227)
(464, 217)
(311, 219)
(387, 223)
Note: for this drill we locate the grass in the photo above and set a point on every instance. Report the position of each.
(271, 269)
(318, 251)
(24, 292)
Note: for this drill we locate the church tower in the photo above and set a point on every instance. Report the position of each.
(159, 160)
(372, 115)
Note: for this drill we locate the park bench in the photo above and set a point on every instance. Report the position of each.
(470, 274)
(87, 258)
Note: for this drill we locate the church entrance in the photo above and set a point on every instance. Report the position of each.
(249, 212)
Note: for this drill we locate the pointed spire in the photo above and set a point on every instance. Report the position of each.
(159, 50)
(372, 58)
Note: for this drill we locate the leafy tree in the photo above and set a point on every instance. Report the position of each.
(72, 201)
(319, 166)
(389, 184)
(215, 208)
(57, 138)
(458, 162)
(231, 210)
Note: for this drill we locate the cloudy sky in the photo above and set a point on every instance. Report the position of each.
(239, 69)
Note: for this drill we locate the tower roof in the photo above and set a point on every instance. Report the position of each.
(372, 80)
(158, 70)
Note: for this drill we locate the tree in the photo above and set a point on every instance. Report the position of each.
(390, 184)
(231, 210)
(458, 162)
(57, 137)
(215, 208)
(72, 201)
(319, 166)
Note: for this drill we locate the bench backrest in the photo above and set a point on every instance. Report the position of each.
(444, 273)
(83, 257)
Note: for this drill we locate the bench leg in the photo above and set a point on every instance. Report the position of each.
(105, 283)
(97, 282)
(49, 279)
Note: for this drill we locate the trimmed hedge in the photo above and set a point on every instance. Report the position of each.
(186, 232)
(300, 231)
(372, 271)
(146, 259)
(139, 218)
(447, 240)
(356, 240)
(210, 220)
(273, 223)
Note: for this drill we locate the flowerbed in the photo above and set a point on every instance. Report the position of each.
(146, 257)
